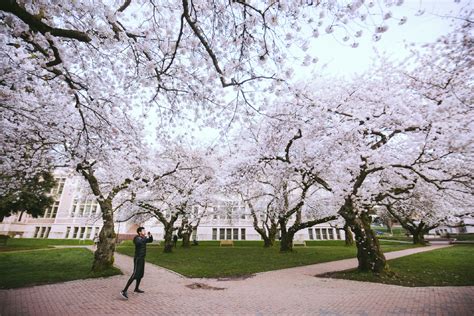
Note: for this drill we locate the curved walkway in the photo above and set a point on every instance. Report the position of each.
(292, 291)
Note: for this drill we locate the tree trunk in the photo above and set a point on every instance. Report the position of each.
(186, 235)
(168, 239)
(418, 234)
(267, 242)
(389, 225)
(268, 234)
(272, 234)
(286, 241)
(369, 255)
(349, 237)
(419, 239)
(104, 255)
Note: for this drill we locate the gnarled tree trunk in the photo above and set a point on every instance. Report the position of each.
(419, 238)
(349, 237)
(186, 236)
(104, 255)
(286, 241)
(419, 232)
(270, 240)
(268, 233)
(168, 238)
(369, 254)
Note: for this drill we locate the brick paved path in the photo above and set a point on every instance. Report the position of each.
(290, 291)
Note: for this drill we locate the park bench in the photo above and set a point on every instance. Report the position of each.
(4, 239)
(226, 243)
(299, 243)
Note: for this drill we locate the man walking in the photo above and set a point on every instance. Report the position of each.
(140, 242)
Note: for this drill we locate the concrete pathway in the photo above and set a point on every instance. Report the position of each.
(293, 291)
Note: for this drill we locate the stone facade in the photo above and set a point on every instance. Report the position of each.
(74, 216)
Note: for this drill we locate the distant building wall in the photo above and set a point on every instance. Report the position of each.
(74, 216)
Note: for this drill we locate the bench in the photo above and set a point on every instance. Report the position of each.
(226, 243)
(4, 239)
(299, 243)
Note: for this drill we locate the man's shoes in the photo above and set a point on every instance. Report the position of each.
(124, 294)
(139, 291)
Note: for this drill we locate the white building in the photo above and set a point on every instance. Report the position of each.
(464, 226)
(74, 217)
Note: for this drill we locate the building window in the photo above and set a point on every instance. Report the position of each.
(68, 230)
(235, 234)
(228, 234)
(331, 233)
(96, 231)
(46, 233)
(74, 235)
(242, 233)
(318, 233)
(81, 234)
(221, 233)
(36, 232)
(52, 211)
(310, 233)
(214, 234)
(325, 234)
(338, 233)
(84, 208)
(88, 233)
(59, 187)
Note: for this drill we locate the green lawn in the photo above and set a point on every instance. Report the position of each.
(451, 266)
(247, 257)
(463, 237)
(18, 269)
(396, 231)
(15, 244)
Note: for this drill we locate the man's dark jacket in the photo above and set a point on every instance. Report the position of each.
(140, 245)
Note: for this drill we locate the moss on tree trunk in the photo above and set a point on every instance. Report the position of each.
(104, 255)
(369, 254)
(186, 236)
(349, 237)
(168, 239)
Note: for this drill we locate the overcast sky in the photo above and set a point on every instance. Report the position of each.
(342, 60)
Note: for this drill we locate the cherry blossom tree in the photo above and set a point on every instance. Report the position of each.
(65, 62)
(381, 126)
(111, 169)
(190, 221)
(74, 74)
(170, 195)
(288, 182)
(252, 185)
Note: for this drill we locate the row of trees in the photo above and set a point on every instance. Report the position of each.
(78, 82)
